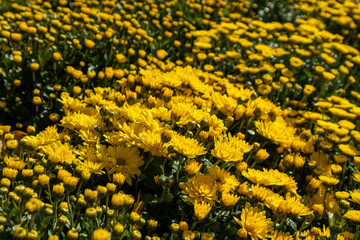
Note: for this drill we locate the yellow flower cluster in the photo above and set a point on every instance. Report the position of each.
(176, 119)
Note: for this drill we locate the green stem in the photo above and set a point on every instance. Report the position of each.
(150, 161)
(69, 206)
(55, 216)
(32, 218)
(178, 170)
(193, 225)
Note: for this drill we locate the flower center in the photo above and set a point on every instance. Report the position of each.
(120, 162)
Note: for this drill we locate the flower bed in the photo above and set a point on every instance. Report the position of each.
(179, 120)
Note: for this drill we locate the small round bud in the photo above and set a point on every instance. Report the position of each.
(174, 227)
(134, 217)
(72, 234)
(136, 234)
(90, 213)
(118, 229)
(63, 219)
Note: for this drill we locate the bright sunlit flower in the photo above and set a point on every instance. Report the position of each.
(125, 160)
(201, 188)
(254, 223)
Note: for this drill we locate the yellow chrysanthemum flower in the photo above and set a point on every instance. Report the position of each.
(228, 199)
(101, 234)
(293, 206)
(230, 148)
(188, 147)
(192, 167)
(329, 181)
(356, 176)
(349, 150)
(278, 131)
(353, 215)
(254, 223)
(14, 163)
(279, 235)
(225, 181)
(201, 210)
(58, 152)
(200, 188)
(270, 177)
(34, 205)
(355, 196)
(125, 160)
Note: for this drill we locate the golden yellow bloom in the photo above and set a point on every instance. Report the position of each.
(262, 155)
(58, 189)
(16, 37)
(161, 54)
(58, 152)
(43, 179)
(27, 173)
(34, 205)
(201, 210)
(278, 235)
(328, 76)
(278, 131)
(17, 59)
(228, 199)
(329, 181)
(188, 147)
(57, 56)
(91, 194)
(255, 223)
(293, 206)
(270, 177)
(72, 234)
(19, 233)
(120, 58)
(342, 195)
(118, 200)
(230, 148)
(192, 167)
(125, 160)
(226, 182)
(118, 229)
(309, 89)
(355, 196)
(36, 100)
(14, 163)
(353, 215)
(356, 176)
(62, 174)
(349, 150)
(9, 173)
(296, 62)
(111, 187)
(101, 234)
(264, 89)
(201, 188)
(119, 178)
(233, 54)
(187, 234)
(12, 144)
(89, 43)
(341, 159)
(34, 66)
(207, 236)
(294, 159)
(71, 181)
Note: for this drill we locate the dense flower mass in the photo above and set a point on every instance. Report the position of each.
(180, 119)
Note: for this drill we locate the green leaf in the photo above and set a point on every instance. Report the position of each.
(357, 235)
(290, 223)
(13, 212)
